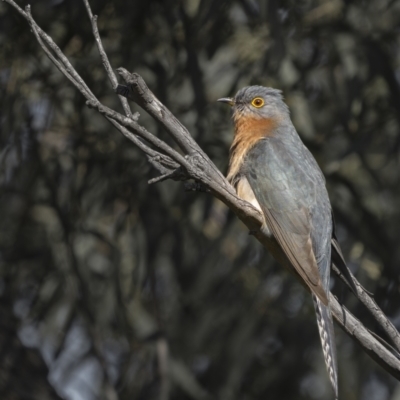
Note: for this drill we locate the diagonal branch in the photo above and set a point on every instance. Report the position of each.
(138, 91)
(106, 63)
(65, 67)
(139, 130)
(374, 348)
(373, 308)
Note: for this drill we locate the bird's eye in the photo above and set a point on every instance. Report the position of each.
(257, 102)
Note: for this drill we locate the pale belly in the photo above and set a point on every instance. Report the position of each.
(245, 192)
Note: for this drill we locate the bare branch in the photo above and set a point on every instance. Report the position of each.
(356, 330)
(176, 174)
(157, 159)
(106, 62)
(67, 68)
(139, 130)
(374, 309)
(139, 92)
(69, 72)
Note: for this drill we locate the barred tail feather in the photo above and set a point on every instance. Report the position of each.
(327, 335)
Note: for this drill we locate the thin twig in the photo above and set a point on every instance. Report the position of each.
(153, 155)
(140, 93)
(106, 63)
(49, 41)
(65, 67)
(374, 309)
(146, 99)
(66, 71)
(141, 131)
(355, 329)
(176, 174)
(162, 344)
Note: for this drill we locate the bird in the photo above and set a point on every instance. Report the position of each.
(271, 168)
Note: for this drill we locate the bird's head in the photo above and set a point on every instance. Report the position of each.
(257, 102)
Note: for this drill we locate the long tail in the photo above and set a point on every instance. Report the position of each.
(327, 335)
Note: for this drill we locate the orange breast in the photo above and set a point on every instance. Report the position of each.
(248, 131)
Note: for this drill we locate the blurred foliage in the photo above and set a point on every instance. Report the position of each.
(113, 289)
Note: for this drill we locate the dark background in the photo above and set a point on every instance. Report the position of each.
(109, 286)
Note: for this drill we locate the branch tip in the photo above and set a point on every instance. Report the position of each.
(135, 116)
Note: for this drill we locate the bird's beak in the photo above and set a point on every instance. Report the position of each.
(227, 100)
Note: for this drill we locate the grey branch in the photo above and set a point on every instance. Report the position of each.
(106, 62)
(374, 309)
(387, 359)
(196, 165)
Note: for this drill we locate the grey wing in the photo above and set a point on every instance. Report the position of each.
(290, 188)
(321, 217)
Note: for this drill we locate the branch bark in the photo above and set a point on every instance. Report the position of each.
(196, 165)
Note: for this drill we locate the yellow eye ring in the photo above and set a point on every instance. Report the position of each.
(257, 102)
